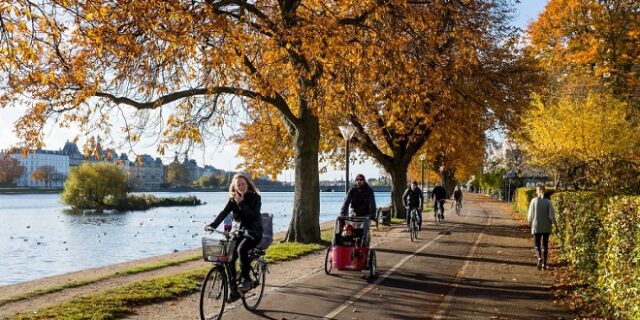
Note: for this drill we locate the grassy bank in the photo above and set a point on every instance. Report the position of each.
(119, 302)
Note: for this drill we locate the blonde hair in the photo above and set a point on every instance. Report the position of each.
(232, 186)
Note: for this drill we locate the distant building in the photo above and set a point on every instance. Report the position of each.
(143, 173)
(75, 156)
(195, 172)
(39, 158)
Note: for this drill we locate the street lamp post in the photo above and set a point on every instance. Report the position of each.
(422, 157)
(347, 133)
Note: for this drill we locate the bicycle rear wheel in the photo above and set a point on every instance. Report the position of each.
(213, 294)
(251, 299)
(415, 225)
(412, 228)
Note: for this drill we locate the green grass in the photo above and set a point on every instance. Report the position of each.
(122, 301)
(83, 282)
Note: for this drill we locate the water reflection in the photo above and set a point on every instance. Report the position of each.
(39, 237)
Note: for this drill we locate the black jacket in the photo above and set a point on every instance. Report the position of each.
(247, 213)
(416, 198)
(457, 195)
(439, 193)
(362, 201)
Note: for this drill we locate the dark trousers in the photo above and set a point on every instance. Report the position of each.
(544, 238)
(244, 245)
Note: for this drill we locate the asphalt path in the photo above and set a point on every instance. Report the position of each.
(478, 265)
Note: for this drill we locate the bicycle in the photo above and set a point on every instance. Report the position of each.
(439, 212)
(413, 224)
(458, 206)
(216, 288)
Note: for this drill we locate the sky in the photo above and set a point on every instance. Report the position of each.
(224, 156)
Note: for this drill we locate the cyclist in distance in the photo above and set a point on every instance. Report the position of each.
(245, 203)
(457, 196)
(413, 199)
(439, 195)
(361, 198)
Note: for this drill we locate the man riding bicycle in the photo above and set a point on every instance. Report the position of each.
(413, 199)
(440, 195)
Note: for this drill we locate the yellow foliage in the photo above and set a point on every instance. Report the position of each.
(581, 130)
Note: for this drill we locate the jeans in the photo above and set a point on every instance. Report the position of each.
(544, 238)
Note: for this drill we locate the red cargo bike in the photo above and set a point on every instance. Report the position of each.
(349, 248)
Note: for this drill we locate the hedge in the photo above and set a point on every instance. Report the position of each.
(579, 218)
(619, 279)
(600, 239)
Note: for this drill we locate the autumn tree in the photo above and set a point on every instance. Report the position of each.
(588, 141)
(10, 170)
(584, 121)
(425, 69)
(91, 184)
(594, 38)
(44, 174)
(184, 66)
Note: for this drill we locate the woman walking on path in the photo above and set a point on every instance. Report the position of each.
(541, 218)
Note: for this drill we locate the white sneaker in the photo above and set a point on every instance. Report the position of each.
(539, 266)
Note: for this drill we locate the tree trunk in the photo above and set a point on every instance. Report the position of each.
(305, 221)
(398, 174)
(449, 181)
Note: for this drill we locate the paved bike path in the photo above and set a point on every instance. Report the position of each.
(478, 265)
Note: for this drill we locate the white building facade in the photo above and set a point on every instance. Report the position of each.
(40, 158)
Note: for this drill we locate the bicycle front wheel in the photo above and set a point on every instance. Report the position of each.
(213, 294)
(251, 299)
(415, 226)
(412, 229)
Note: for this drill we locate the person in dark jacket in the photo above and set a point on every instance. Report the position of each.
(245, 203)
(361, 198)
(439, 195)
(413, 198)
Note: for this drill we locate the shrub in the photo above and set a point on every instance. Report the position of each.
(619, 279)
(89, 185)
(579, 217)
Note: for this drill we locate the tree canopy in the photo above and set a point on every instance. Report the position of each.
(583, 124)
(10, 170)
(91, 184)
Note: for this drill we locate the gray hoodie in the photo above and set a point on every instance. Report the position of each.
(540, 215)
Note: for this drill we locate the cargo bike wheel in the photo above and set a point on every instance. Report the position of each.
(328, 261)
(372, 265)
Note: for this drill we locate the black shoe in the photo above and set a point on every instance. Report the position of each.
(233, 296)
(244, 286)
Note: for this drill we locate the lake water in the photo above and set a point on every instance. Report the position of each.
(39, 237)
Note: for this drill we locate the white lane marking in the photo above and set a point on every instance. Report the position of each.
(444, 306)
(368, 288)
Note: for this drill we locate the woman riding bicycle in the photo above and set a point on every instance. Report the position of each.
(413, 199)
(245, 203)
(457, 196)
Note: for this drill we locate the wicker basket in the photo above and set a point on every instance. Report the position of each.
(214, 250)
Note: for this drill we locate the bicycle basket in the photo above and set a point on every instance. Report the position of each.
(214, 250)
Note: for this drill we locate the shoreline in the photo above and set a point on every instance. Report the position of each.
(20, 288)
